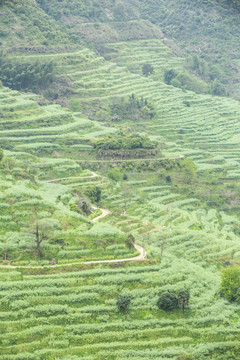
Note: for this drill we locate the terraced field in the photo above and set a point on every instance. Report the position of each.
(202, 127)
(68, 315)
(75, 313)
(40, 130)
(183, 227)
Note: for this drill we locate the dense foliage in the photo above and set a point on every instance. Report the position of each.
(125, 141)
(167, 301)
(147, 69)
(123, 302)
(195, 24)
(20, 75)
(93, 193)
(230, 285)
(132, 108)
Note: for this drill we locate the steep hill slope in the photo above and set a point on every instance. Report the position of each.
(209, 29)
(24, 26)
(162, 156)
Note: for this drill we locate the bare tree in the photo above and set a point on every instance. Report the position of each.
(42, 230)
(39, 237)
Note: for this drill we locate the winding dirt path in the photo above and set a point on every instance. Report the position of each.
(103, 214)
(141, 256)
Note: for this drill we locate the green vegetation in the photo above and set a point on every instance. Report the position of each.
(230, 285)
(123, 303)
(125, 141)
(167, 301)
(147, 69)
(113, 136)
(19, 75)
(93, 193)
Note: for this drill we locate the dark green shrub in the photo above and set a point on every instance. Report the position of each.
(168, 178)
(169, 75)
(93, 193)
(125, 141)
(123, 303)
(147, 69)
(167, 301)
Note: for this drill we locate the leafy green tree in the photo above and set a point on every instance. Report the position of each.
(123, 303)
(169, 75)
(125, 141)
(80, 203)
(147, 69)
(8, 242)
(132, 108)
(167, 301)
(200, 66)
(230, 283)
(188, 82)
(162, 243)
(168, 179)
(93, 193)
(130, 241)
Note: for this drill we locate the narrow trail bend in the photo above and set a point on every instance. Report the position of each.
(141, 256)
(103, 214)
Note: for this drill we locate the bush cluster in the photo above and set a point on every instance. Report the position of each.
(125, 141)
(21, 75)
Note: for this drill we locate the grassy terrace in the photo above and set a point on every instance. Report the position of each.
(75, 314)
(26, 126)
(73, 238)
(34, 138)
(70, 313)
(186, 120)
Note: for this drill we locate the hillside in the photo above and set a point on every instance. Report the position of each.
(209, 29)
(119, 130)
